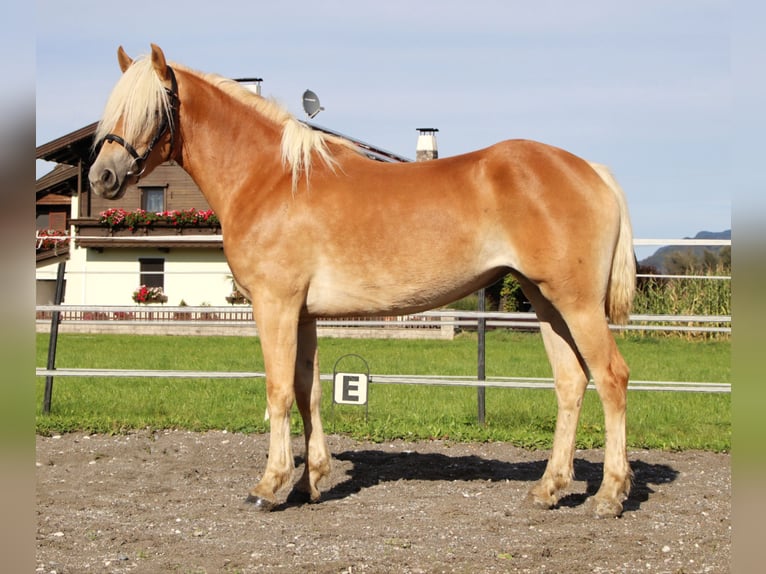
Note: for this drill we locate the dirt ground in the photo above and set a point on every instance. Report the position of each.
(174, 501)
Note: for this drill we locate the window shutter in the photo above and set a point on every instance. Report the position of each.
(57, 220)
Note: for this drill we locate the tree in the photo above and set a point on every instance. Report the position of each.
(512, 298)
(724, 256)
(681, 262)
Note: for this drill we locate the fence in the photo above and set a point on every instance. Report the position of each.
(239, 321)
(442, 322)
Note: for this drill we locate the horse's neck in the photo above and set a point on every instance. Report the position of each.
(224, 143)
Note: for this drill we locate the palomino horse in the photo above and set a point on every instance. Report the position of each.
(313, 228)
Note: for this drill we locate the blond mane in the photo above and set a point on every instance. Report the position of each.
(299, 141)
(139, 99)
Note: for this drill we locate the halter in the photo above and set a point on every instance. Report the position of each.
(166, 125)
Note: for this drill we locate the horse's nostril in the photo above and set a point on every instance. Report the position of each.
(108, 178)
(104, 181)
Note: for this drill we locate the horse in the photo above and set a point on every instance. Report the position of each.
(312, 228)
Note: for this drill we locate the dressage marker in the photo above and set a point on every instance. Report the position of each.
(313, 228)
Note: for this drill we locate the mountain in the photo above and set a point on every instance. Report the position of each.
(658, 259)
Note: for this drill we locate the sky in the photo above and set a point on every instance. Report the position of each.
(643, 87)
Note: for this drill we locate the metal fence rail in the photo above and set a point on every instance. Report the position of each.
(502, 382)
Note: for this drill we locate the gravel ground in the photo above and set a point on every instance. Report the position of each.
(174, 501)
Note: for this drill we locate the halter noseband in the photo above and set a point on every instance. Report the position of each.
(166, 125)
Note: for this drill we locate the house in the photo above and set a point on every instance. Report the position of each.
(106, 265)
(107, 260)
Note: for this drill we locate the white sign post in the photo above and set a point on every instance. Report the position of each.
(350, 388)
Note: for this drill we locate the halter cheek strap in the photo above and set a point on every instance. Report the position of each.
(166, 125)
(129, 148)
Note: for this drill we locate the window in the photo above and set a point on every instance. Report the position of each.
(153, 199)
(43, 221)
(52, 220)
(152, 272)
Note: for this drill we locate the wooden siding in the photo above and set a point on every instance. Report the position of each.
(180, 192)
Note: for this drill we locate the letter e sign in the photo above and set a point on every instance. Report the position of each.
(350, 388)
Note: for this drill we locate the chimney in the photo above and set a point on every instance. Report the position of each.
(252, 84)
(426, 144)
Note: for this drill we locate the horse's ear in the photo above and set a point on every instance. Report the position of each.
(159, 63)
(124, 60)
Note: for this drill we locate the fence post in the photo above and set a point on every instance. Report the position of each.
(55, 317)
(481, 374)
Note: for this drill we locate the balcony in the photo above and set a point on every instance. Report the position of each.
(94, 234)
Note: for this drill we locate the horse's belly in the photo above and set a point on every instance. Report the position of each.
(340, 294)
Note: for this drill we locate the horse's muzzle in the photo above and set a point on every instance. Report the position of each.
(105, 176)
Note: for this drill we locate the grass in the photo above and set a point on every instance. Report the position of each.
(521, 416)
(687, 296)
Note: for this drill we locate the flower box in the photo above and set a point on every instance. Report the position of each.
(236, 298)
(146, 295)
(91, 228)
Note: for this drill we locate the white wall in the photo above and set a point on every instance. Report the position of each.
(109, 277)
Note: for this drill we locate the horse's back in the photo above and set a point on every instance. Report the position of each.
(409, 237)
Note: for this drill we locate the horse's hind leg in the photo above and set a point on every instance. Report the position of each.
(570, 381)
(596, 345)
(308, 393)
(610, 374)
(578, 340)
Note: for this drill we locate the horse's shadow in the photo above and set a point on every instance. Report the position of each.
(372, 467)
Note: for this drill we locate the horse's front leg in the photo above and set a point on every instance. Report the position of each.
(278, 328)
(308, 392)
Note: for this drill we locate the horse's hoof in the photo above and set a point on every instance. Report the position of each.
(260, 503)
(532, 501)
(605, 508)
(540, 498)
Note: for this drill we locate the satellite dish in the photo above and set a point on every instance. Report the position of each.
(311, 104)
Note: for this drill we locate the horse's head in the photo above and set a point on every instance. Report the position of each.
(138, 129)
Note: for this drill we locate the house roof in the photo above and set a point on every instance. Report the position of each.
(61, 182)
(373, 152)
(70, 149)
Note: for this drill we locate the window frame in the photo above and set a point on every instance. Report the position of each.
(147, 191)
(152, 272)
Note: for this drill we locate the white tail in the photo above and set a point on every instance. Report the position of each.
(622, 279)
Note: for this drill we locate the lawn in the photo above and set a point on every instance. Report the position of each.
(525, 417)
